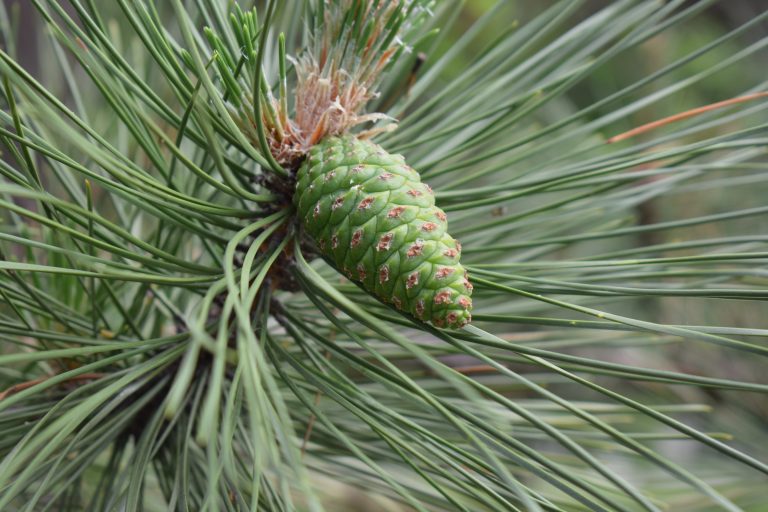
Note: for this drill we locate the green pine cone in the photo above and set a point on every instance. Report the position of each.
(373, 218)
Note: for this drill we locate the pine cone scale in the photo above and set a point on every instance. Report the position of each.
(376, 222)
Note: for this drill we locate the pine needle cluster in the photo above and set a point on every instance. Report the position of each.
(171, 340)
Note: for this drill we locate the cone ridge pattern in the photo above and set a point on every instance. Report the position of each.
(374, 220)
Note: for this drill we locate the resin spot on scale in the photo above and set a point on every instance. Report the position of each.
(368, 211)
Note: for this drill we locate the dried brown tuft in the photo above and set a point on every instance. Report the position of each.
(336, 78)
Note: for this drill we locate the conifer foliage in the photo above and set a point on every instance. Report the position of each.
(230, 276)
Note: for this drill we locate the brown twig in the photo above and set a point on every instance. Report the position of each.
(313, 418)
(310, 426)
(421, 58)
(28, 384)
(685, 115)
(471, 370)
